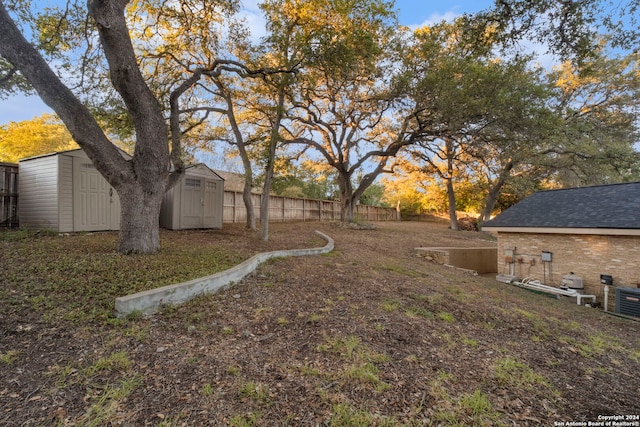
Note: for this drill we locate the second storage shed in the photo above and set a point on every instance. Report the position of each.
(196, 201)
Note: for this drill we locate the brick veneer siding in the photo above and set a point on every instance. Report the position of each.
(587, 256)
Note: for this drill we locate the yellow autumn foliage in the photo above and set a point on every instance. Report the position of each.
(41, 135)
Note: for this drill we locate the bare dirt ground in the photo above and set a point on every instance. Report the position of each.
(369, 334)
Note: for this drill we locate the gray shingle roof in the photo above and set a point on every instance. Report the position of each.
(615, 206)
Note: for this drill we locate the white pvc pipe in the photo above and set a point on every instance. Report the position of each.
(606, 297)
(536, 285)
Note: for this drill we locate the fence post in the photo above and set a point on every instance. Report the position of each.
(8, 195)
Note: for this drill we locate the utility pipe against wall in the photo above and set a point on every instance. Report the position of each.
(606, 298)
(536, 285)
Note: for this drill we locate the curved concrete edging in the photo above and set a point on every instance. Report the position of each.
(149, 301)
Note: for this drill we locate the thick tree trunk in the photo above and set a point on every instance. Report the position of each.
(140, 228)
(347, 200)
(140, 213)
(347, 210)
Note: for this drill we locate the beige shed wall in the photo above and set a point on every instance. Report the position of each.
(38, 189)
(587, 256)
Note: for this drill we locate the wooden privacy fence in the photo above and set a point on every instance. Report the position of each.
(282, 209)
(8, 195)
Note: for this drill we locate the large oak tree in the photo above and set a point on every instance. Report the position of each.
(140, 181)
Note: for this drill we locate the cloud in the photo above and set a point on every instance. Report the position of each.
(254, 18)
(435, 18)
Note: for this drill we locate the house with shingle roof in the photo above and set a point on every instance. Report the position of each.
(588, 231)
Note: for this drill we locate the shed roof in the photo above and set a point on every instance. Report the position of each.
(613, 206)
(203, 166)
(72, 150)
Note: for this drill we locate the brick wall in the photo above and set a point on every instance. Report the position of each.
(587, 256)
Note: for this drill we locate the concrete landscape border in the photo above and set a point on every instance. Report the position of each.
(149, 301)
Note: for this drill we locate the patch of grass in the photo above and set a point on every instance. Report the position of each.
(194, 317)
(437, 385)
(333, 254)
(597, 344)
(489, 326)
(345, 415)
(435, 299)
(233, 370)
(118, 361)
(470, 410)
(308, 370)
(255, 391)
(420, 297)
(314, 318)
(262, 312)
(138, 332)
(9, 357)
(227, 330)
(171, 422)
(415, 311)
(25, 234)
(363, 368)
(446, 317)
(391, 305)
(510, 372)
(63, 375)
(401, 270)
(108, 400)
(366, 373)
(526, 314)
(343, 346)
(245, 420)
(207, 390)
(78, 277)
(469, 342)
(282, 321)
(479, 407)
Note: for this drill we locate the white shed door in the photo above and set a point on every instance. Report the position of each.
(209, 220)
(96, 206)
(192, 202)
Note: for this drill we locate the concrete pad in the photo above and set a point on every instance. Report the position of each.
(149, 301)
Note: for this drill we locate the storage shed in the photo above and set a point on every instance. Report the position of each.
(64, 192)
(196, 201)
(588, 231)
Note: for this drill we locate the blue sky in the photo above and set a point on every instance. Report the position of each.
(412, 13)
(420, 12)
